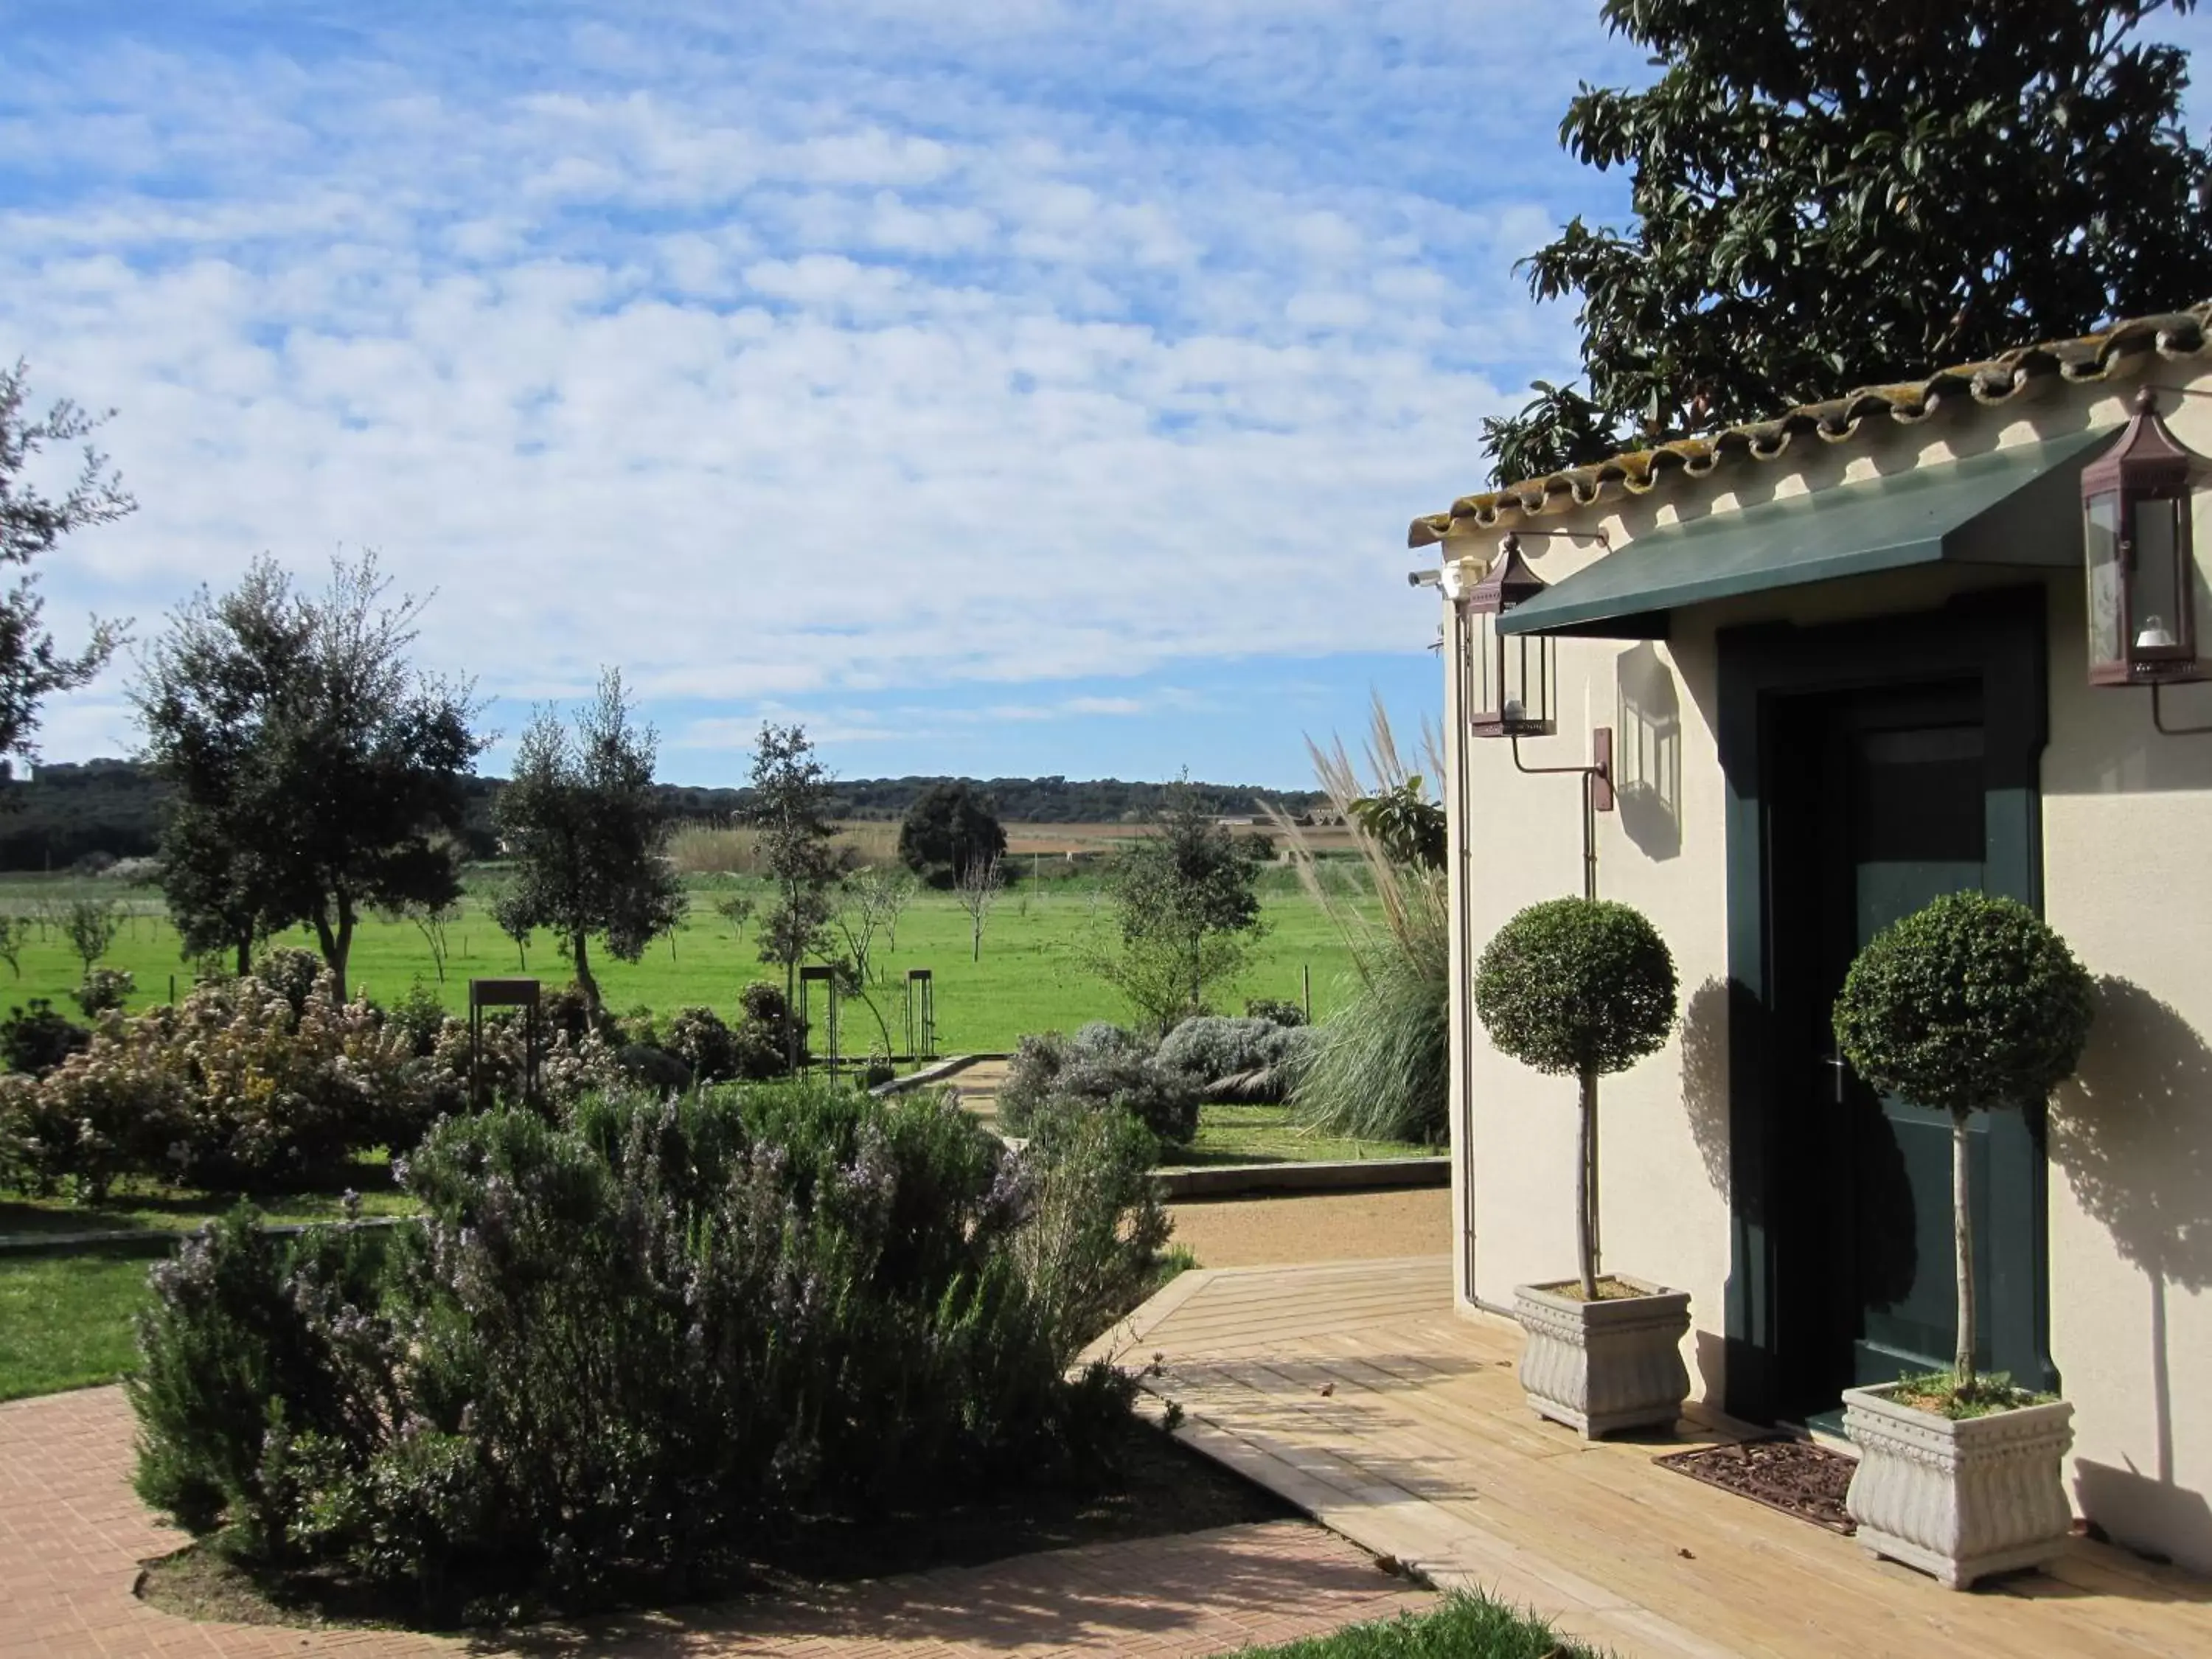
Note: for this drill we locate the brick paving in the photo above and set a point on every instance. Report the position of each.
(72, 1536)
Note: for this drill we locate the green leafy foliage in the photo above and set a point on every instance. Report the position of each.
(1404, 822)
(35, 1040)
(317, 775)
(102, 989)
(620, 1346)
(32, 524)
(587, 833)
(789, 811)
(1576, 988)
(1971, 1003)
(1462, 1627)
(90, 925)
(950, 826)
(1830, 195)
(767, 1034)
(1187, 911)
(703, 1040)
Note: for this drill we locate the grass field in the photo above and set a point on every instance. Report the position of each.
(1028, 979)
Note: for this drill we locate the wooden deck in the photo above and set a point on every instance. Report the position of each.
(1355, 1391)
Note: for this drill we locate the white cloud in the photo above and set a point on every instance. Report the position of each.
(866, 348)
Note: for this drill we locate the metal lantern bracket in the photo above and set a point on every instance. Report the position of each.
(1597, 794)
(2158, 717)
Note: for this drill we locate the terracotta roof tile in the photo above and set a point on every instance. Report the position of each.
(2178, 334)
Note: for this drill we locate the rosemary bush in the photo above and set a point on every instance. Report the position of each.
(618, 1347)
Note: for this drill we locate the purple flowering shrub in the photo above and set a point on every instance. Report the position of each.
(616, 1347)
(257, 1354)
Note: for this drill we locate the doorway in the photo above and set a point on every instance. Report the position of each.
(1871, 768)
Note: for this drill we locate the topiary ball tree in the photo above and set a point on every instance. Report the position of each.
(1971, 1003)
(1582, 989)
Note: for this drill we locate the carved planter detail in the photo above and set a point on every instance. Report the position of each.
(1601, 1367)
(1962, 1499)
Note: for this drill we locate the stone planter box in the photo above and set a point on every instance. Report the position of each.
(1959, 1500)
(1601, 1367)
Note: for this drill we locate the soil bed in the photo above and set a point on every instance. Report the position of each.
(1160, 1488)
(1794, 1476)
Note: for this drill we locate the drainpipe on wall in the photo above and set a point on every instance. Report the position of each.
(1464, 918)
(1451, 582)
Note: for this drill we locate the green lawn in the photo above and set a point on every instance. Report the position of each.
(1027, 979)
(135, 1204)
(1463, 1627)
(65, 1321)
(1265, 1134)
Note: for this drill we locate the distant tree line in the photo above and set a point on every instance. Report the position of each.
(114, 807)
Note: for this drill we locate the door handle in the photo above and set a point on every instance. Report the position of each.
(1842, 1068)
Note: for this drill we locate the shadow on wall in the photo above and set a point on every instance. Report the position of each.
(2133, 1133)
(1705, 1076)
(1647, 762)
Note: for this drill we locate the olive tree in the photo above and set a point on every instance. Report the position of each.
(317, 774)
(1972, 1003)
(788, 808)
(588, 835)
(1582, 989)
(32, 523)
(1187, 906)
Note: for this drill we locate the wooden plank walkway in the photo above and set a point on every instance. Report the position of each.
(1355, 1391)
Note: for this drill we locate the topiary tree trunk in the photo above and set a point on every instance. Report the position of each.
(1962, 1240)
(1586, 1189)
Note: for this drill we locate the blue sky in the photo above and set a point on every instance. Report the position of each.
(993, 385)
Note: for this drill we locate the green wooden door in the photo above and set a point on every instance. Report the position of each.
(1871, 767)
(1914, 782)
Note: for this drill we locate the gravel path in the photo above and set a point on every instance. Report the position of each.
(1255, 1232)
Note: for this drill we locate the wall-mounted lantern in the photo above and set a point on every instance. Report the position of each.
(1511, 694)
(1509, 690)
(2137, 506)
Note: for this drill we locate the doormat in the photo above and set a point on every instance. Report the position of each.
(1795, 1476)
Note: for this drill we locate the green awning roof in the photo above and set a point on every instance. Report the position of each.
(2019, 506)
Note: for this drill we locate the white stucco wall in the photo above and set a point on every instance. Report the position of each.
(2127, 820)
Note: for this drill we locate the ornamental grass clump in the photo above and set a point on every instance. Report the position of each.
(619, 1352)
(1581, 989)
(1379, 1066)
(1972, 1003)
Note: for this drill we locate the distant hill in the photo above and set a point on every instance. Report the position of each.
(64, 812)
